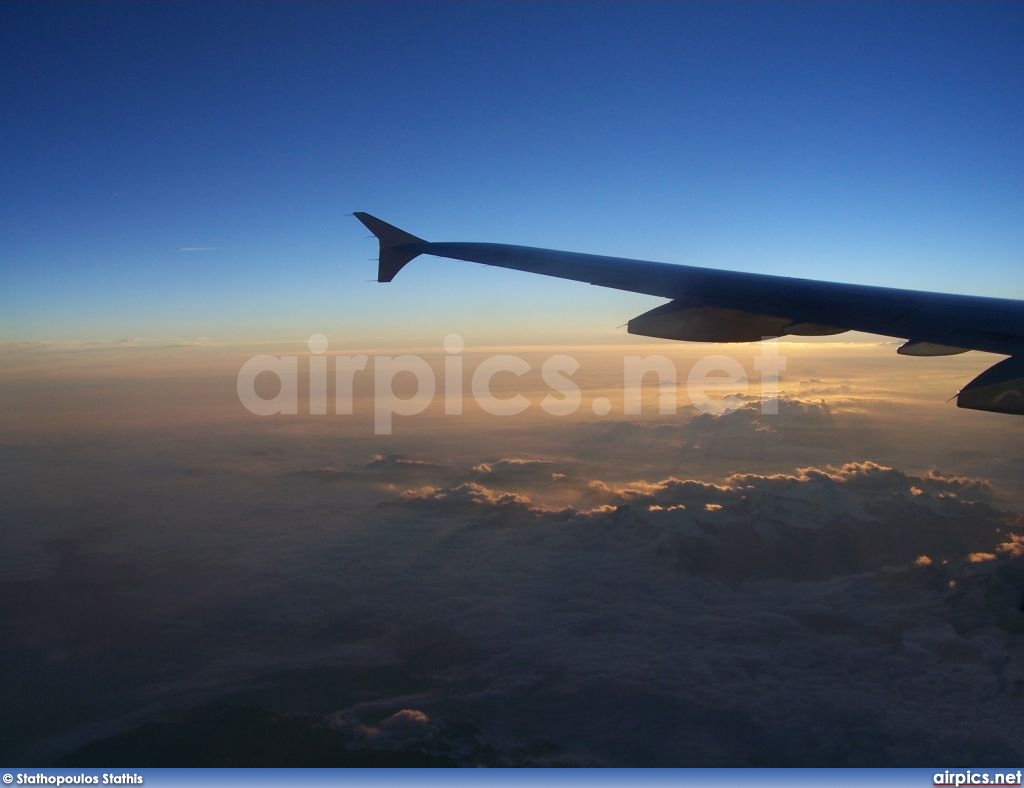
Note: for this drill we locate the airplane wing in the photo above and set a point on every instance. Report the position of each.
(709, 305)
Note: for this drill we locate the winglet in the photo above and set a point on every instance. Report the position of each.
(397, 247)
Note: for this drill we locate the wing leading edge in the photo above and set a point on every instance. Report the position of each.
(709, 305)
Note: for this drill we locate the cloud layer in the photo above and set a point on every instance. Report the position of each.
(840, 583)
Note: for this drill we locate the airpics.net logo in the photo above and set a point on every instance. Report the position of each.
(968, 777)
(562, 398)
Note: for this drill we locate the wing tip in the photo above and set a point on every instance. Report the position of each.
(397, 247)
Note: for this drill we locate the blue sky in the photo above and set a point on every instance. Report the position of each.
(868, 142)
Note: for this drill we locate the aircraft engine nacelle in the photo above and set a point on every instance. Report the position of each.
(999, 389)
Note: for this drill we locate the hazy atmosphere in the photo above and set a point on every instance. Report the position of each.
(183, 582)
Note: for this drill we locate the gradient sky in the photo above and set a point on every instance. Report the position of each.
(854, 142)
(832, 584)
